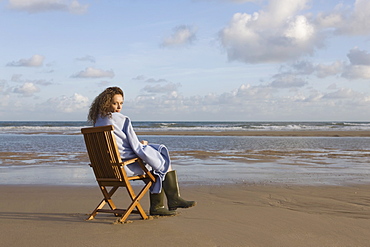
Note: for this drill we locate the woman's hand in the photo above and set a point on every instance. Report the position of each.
(144, 142)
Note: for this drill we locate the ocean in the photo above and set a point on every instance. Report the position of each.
(41, 152)
(73, 127)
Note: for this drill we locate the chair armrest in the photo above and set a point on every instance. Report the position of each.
(127, 162)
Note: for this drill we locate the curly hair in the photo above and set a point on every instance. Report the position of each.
(102, 103)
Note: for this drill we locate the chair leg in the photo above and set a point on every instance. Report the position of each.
(95, 212)
(108, 196)
(107, 199)
(139, 197)
(136, 202)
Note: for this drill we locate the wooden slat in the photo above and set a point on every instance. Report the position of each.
(97, 129)
(108, 180)
(109, 171)
(116, 211)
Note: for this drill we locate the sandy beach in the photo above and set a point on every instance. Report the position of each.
(228, 215)
(281, 211)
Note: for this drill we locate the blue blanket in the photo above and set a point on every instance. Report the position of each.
(156, 156)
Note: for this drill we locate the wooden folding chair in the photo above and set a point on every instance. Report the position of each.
(109, 172)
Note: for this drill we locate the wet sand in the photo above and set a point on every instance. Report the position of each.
(228, 215)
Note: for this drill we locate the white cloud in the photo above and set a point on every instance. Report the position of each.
(359, 67)
(35, 6)
(287, 81)
(139, 78)
(152, 80)
(347, 20)
(275, 34)
(2, 86)
(74, 103)
(314, 96)
(343, 93)
(42, 82)
(248, 92)
(34, 61)
(332, 19)
(167, 88)
(305, 67)
(325, 70)
(357, 72)
(299, 29)
(253, 103)
(235, 100)
(94, 73)
(181, 35)
(4, 102)
(282, 32)
(27, 89)
(18, 78)
(359, 57)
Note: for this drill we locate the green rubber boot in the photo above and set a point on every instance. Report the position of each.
(171, 188)
(157, 207)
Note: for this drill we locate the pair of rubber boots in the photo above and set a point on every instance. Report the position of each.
(174, 201)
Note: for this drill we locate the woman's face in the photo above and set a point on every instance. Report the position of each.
(117, 102)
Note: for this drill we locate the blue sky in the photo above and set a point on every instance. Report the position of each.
(277, 60)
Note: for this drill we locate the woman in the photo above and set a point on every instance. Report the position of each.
(105, 110)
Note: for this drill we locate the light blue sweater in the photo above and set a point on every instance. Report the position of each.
(155, 156)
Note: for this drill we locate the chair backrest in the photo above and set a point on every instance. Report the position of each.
(103, 153)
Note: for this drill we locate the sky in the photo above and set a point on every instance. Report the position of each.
(186, 60)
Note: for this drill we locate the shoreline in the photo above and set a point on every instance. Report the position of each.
(279, 133)
(299, 133)
(204, 167)
(228, 215)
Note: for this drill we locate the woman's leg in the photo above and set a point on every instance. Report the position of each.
(157, 205)
(171, 188)
(156, 199)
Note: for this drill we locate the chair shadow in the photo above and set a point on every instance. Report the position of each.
(64, 217)
(56, 217)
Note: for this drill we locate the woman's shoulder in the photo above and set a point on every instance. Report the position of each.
(118, 115)
(113, 118)
(119, 118)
